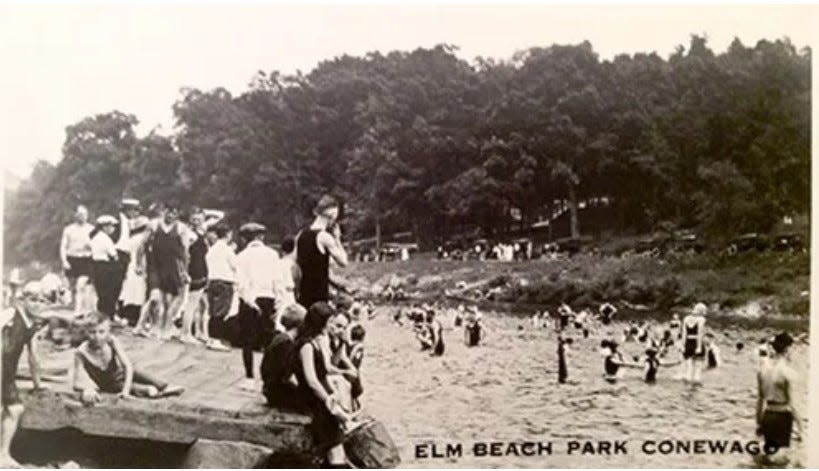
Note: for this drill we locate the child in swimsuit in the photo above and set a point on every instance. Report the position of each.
(653, 363)
(473, 331)
(613, 360)
(606, 312)
(436, 335)
(105, 362)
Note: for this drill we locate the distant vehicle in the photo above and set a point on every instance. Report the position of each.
(686, 240)
(788, 242)
(572, 245)
(748, 242)
(392, 250)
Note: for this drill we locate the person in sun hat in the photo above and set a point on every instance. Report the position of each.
(775, 411)
(105, 265)
(693, 336)
(129, 209)
(315, 246)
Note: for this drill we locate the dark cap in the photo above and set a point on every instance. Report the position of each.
(252, 228)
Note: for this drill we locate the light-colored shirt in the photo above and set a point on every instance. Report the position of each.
(256, 274)
(103, 248)
(124, 232)
(221, 260)
(285, 286)
(76, 240)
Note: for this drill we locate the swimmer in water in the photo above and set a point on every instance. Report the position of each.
(565, 314)
(459, 316)
(693, 329)
(606, 312)
(631, 332)
(675, 324)
(653, 363)
(775, 411)
(613, 360)
(473, 329)
(562, 363)
(436, 334)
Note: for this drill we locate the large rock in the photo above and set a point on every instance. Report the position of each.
(212, 454)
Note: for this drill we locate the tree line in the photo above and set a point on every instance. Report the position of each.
(428, 142)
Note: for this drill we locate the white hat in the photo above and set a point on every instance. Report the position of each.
(129, 203)
(700, 309)
(106, 219)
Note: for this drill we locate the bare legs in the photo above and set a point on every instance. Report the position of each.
(10, 420)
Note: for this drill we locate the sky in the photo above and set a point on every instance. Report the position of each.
(63, 62)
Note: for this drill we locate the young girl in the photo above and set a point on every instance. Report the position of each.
(693, 333)
(653, 363)
(311, 373)
(102, 358)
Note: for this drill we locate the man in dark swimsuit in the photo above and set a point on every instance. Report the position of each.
(314, 248)
(19, 329)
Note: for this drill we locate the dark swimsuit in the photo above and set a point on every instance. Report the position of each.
(651, 373)
(326, 428)
(474, 331)
(690, 345)
(109, 380)
(611, 368)
(438, 348)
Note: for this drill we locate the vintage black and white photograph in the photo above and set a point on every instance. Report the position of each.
(415, 234)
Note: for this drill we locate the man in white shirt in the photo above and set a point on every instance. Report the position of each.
(75, 255)
(105, 267)
(256, 279)
(221, 261)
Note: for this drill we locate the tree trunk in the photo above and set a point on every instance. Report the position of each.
(575, 230)
(378, 233)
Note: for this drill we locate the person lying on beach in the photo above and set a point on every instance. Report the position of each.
(653, 364)
(105, 362)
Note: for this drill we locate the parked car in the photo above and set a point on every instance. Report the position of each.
(747, 242)
(788, 242)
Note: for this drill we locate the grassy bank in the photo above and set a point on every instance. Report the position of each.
(769, 283)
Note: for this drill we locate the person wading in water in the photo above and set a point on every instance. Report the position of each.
(314, 248)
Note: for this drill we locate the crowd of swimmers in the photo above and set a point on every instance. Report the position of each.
(425, 321)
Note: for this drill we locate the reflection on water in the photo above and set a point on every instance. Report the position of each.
(506, 390)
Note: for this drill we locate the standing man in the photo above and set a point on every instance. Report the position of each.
(256, 279)
(221, 261)
(166, 262)
(105, 267)
(193, 311)
(75, 254)
(314, 247)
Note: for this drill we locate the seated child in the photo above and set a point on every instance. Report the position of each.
(105, 362)
(355, 352)
(279, 385)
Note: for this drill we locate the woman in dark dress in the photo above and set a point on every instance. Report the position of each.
(311, 373)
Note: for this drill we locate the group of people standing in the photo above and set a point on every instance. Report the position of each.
(186, 281)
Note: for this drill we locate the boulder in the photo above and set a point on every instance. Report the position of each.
(210, 454)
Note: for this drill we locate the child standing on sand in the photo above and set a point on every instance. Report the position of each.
(104, 361)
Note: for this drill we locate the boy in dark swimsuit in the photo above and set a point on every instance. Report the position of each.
(653, 363)
(104, 361)
(280, 387)
(19, 330)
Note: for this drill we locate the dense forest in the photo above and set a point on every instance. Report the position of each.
(425, 141)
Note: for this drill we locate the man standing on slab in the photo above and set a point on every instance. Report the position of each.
(315, 246)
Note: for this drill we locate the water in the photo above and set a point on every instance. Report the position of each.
(506, 390)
